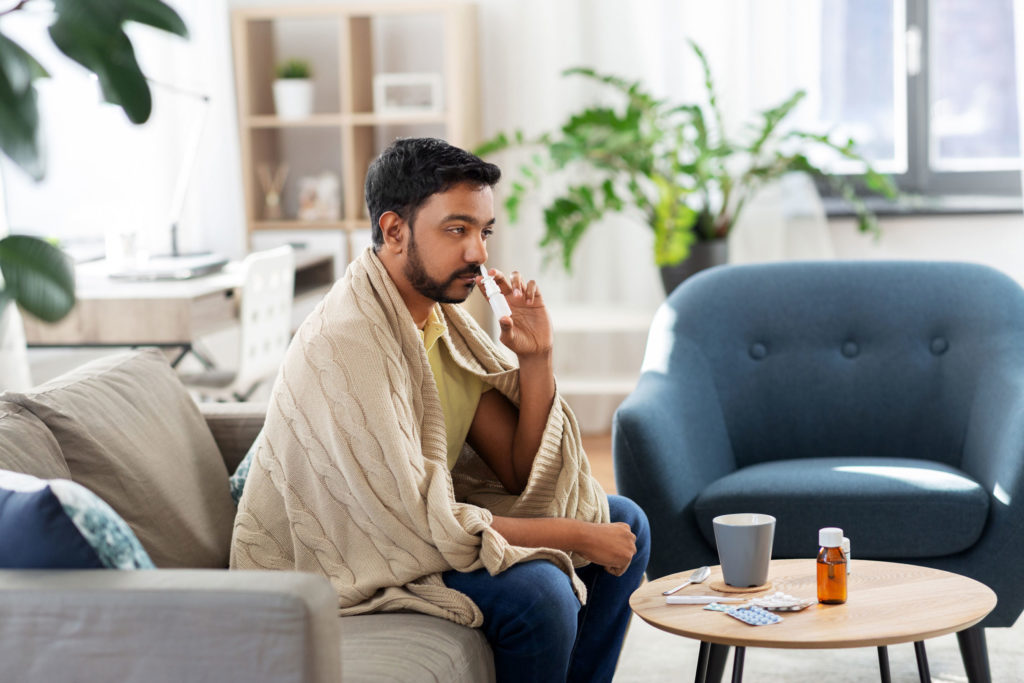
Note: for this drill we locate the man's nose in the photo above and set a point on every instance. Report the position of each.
(476, 252)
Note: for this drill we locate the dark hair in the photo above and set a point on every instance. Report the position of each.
(412, 169)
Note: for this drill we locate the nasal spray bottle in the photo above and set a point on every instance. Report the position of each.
(494, 296)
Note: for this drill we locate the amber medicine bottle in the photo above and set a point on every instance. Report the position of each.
(831, 567)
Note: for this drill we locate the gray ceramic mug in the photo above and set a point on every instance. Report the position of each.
(744, 547)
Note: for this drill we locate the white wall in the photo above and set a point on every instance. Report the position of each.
(995, 240)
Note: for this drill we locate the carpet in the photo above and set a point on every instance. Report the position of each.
(650, 655)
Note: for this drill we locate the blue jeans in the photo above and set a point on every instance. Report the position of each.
(535, 624)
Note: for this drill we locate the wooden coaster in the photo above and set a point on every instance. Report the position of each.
(723, 587)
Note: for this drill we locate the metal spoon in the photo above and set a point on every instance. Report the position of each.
(696, 577)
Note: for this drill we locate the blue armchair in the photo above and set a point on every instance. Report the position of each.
(886, 398)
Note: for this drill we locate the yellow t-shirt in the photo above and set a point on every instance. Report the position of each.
(459, 389)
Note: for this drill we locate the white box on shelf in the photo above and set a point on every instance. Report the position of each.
(407, 93)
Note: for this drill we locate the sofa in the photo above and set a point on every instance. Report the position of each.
(125, 428)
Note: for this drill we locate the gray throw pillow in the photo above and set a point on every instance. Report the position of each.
(27, 446)
(130, 432)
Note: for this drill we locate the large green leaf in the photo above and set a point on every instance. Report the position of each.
(92, 34)
(38, 276)
(19, 115)
(154, 13)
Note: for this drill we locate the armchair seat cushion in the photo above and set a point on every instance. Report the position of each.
(890, 508)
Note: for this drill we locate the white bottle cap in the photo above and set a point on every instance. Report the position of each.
(830, 537)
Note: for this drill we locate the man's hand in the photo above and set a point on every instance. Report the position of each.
(528, 331)
(611, 545)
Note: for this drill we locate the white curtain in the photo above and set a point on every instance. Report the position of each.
(760, 52)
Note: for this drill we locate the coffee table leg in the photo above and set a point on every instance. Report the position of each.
(719, 655)
(975, 654)
(737, 665)
(883, 664)
(711, 662)
(922, 662)
(702, 662)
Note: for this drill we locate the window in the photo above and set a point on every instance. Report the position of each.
(927, 88)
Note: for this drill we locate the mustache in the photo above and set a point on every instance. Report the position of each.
(464, 273)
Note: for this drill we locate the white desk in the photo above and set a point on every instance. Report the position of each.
(165, 313)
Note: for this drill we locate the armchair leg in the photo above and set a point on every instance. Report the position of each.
(974, 652)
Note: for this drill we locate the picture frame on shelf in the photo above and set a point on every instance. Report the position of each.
(320, 198)
(407, 93)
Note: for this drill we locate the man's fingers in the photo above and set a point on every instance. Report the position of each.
(503, 282)
(531, 291)
(514, 282)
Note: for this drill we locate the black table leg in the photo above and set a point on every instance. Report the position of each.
(718, 654)
(702, 662)
(177, 359)
(974, 652)
(737, 665)
(883, 664)
(922, 662)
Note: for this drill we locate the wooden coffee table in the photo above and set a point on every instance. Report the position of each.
(888, 603)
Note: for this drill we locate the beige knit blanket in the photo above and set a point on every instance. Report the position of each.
(350, 477)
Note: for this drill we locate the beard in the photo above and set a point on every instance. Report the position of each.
(427, 286)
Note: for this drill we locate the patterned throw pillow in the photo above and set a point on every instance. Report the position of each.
(237, 480)
(58, 524)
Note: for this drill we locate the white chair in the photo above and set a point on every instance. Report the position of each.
(265, 328)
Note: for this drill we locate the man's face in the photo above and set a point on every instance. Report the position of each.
(446, 246)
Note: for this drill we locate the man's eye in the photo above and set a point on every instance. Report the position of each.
(457, 229)
(487, 232)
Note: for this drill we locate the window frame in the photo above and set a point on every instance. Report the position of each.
(920, 179)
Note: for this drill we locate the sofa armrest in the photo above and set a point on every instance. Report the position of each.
(169, 625)
(669, 441)
(234, 427)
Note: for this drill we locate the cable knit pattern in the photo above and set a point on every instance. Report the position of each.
(350, 477)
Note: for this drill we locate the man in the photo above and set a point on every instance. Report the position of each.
(361, 473)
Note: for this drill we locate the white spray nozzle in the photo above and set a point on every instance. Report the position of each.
(494, 296)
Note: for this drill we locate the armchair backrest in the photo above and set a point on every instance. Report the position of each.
(844, 359)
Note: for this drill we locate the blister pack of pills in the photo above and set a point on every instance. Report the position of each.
(719, 607)
(782, 602)
(755, 616)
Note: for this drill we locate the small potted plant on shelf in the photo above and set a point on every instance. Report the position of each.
(674, 165)
(293, 89)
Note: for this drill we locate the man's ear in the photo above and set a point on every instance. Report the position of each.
(395, 230)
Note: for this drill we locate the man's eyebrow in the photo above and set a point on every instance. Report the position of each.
(465, 218)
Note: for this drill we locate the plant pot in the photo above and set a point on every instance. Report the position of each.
(293, 98)
(14, 371)
(702, 255)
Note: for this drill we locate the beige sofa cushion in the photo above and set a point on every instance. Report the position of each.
(130, 432)
(27, 446)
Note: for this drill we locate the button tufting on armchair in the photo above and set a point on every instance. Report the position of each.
(886, 398)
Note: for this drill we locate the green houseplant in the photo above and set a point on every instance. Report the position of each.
(293, 89)
(36, 274)
(672, 163)
(294, 68)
